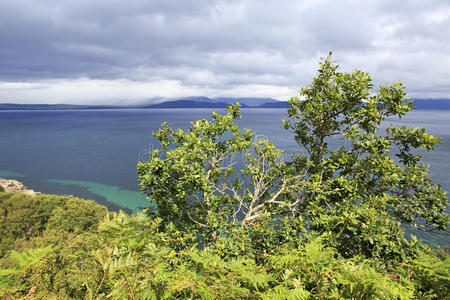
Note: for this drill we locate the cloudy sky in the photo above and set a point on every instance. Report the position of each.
(120, 52)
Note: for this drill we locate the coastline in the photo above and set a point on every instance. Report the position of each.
(14, 186)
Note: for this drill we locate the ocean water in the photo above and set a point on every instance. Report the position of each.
(93, 153)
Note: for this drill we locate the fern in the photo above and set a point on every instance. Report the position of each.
(281, 292)
(31, 256)
(360, 281)
(431, 276)
(22, 262)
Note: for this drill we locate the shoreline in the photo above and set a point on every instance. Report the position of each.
(15, 186)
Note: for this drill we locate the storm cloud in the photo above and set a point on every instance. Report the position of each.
(120, 52)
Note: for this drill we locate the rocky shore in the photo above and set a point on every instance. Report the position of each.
(14, 186)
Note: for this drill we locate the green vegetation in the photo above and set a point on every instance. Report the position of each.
(24, 217)
(235, 220)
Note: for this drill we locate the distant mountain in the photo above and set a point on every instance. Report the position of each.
(202, 99)
(205, 102)
(251, 102)
(12, 106)
(247, 101)
(221, 102)
(188, 104)
(439, 104)
(183, 102)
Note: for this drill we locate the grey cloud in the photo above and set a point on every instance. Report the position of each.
(222, 44)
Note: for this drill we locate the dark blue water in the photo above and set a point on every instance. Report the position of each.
(93, 153)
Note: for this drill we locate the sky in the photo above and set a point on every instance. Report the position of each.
(134, 51)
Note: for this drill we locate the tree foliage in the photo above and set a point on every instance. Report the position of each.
(360, 192)
(363, 170)
(373, 180)
(193, 178)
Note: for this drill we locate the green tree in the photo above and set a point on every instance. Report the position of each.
(358, 194)
(359, 191)
(194, 183)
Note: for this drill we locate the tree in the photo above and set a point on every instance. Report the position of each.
(361, 192)
(356, 195)
(194, 183)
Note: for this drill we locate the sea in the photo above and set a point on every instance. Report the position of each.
(93, 153)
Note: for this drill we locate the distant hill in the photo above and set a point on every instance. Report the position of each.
(244, 101)
(12, 106)
(188, 104)
(184, 102)
(205, 102)
(251, 102)
(201, 99)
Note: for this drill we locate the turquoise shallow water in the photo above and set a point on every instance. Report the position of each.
(114, 197)
(93, 153)
(122, 197)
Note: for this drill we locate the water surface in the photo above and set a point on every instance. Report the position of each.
(93, 153)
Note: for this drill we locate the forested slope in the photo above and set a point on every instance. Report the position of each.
(54, 246)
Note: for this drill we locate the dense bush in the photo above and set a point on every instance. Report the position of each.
(127, 256)
(25, 216)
